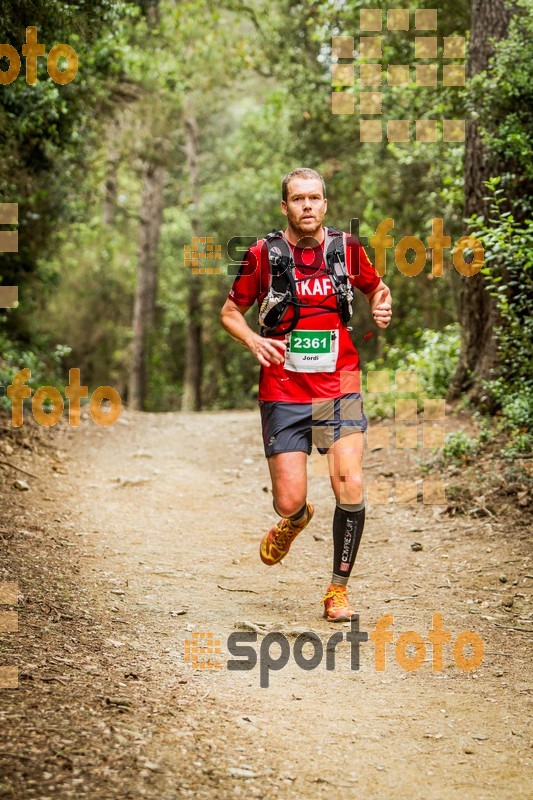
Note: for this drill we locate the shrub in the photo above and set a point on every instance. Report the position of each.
(459, 446)
(45, 365)
(508, 272)
(433, 361)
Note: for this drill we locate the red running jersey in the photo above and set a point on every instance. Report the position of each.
(318, 317)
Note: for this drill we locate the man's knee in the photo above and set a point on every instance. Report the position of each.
(351, 488)
(288, 505)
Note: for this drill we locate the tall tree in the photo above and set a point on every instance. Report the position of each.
(192, 382)
(109, 205)
(151, 216)
(477, 313)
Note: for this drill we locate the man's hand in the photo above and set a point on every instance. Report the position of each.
(380, 305)
(267, 351)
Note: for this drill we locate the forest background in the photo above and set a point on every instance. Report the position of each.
(181, 122)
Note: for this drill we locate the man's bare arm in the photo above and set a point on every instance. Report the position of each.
(266, 351)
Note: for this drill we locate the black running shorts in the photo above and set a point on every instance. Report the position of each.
(298, 426)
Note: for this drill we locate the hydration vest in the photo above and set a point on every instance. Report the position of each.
(282, 290)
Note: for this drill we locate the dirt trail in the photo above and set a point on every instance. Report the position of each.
(164, 518)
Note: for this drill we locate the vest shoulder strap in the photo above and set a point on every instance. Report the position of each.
(279, 252)
(335, 254)
(282, 289)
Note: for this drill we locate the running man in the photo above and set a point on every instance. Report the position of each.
(309, 386)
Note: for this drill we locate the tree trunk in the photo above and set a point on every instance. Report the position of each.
(477, 313)
(151, 215)
(192, 383)
(111, 184)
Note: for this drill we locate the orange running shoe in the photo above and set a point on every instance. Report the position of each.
(336, 605)
(276, 543)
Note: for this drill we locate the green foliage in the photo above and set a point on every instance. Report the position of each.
(432, 358)
(459, 446)
(502, 99)
(90, 306)
(45, 362)
(508, 273)
(45, 133)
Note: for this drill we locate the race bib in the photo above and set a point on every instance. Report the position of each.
(312, 351)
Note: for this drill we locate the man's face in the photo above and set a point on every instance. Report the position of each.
(305, 206)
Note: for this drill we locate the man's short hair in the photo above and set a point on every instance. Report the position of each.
(301, 172)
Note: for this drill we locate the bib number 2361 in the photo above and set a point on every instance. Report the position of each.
(312, 351)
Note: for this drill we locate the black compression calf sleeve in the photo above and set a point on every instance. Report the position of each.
(348, 524)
